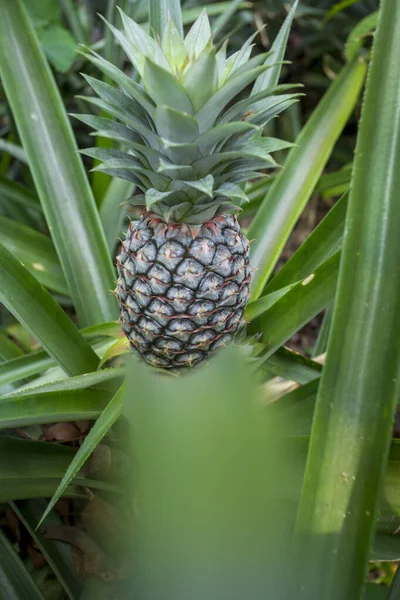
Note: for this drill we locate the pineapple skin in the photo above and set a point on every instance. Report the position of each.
(181, 290)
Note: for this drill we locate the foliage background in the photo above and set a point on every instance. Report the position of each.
(52, 384)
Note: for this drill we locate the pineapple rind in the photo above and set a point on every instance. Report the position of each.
(182, 291)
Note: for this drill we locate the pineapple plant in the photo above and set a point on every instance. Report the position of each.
(78, 273)
(190, 138)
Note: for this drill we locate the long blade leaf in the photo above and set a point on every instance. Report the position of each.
(321, 244)
(58, 554)
(56, 167)
(31, 469)
(270, 78)
(295, 308)
(160, 11)
(51, 407)
(105, 421)
(36, 252)
(34, 307)
(360, 383)
(16, 582)
(293, 187)
(19, 367)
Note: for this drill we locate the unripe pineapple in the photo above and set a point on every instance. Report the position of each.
(184, 267)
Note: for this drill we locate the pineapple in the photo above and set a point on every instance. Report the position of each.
(189, 144)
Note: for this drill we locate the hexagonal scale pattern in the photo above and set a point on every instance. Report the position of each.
(182, 291)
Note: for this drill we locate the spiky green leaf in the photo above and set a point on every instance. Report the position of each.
(201, 79)
(270, 78)
(164, 88)
(174, 125)
(199, 35)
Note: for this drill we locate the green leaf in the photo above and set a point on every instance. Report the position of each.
(153, 196)
(335, 184)
(270, 78)
(292, 366)
(225, 16)
(34, 307)
(321, 343)
(8, 349)
(129, 85)
(30, 469)
(42, 12)
(297, 408)
(114, 96)
(136, 54)
(106, 154)
(185, 154)
(57, 554)
(339, 7)
(36, 252)
(199, 35)
(395, 587)
(305, 162)
(209, 112)
(258, 307)
(59, 47)
(56, 167)
(175, 126)
(111, 329)
(80, 382)
(359, 389)
(75, 19)
(14, 192)
(113, 210)
(200, 80)
(189, 15)
(14, 150)
(140, 39)
(257, 161)
(51, 407)
(24, 366)
(205, 185)
(105, 421)
(357, 35)
(109, 128)
(173, 46)
(271, 108)
(124, 116)
(321, 244)
(137, 172)
(294, 309)
(16, 582)
(258, 105)
(164, 88)
(233, 192)
(208, 500)
(219, 134)
(239, 58)
(161, 11)
(264, 145)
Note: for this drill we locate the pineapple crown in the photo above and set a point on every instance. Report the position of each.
(184, 148)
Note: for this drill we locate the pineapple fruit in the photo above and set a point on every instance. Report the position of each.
(189, 140)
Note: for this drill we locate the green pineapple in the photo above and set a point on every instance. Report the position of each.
(189, 144)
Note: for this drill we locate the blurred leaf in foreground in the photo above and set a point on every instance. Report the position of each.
(208, 470)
